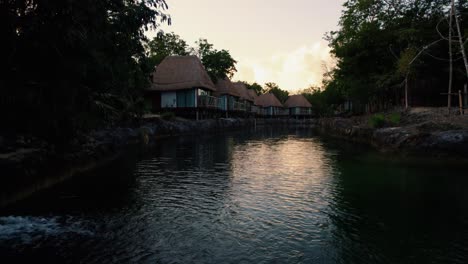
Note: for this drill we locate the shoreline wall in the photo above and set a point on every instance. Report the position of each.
(425, 138)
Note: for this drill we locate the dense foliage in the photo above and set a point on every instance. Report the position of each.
(271, 87)
(166, 44)
(218, 63)
(70, 65)
(254, 86)
(381, 43)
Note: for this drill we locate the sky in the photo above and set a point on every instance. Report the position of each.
(272, 40)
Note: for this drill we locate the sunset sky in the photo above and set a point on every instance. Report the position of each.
(272, 40)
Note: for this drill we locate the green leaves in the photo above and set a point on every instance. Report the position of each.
(254, 86)
(218, 63)
(166, 44)
(405, 60)
(377, 43)
(59, 54)
(271, 87)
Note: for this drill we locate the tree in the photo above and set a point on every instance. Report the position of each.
(166, 44)
(254, 86)
(68, 66)
(318, 99)
(374, 46)
(271, 87)
(218, 63)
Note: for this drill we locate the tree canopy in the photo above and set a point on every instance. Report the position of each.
(166, 44)
(69, 65)
(218, 63)
(254, 86)
(377, 44)
(271, 87)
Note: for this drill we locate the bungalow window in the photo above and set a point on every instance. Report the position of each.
(185, 98)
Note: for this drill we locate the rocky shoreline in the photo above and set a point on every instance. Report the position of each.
(425, 136)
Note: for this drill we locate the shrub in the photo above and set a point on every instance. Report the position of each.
(377, 121)
(394, 118)
(168, 115)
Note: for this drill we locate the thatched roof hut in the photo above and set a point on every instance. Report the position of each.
(297, 100)
(252, 94)
(268, 100)
(225, 86)
(242, 89)
(181, 72)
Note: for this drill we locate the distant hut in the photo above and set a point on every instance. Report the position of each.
(246, 100)
(270, 105)
(181, 83)
(298, 106)
(252, 97)
(228, 95)
(252, 94)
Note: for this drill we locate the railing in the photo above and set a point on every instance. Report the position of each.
(276, 112)
(238, 106)
(254, 109)
(304, 112)
(206, 101)
(282, 112)
(261, 111)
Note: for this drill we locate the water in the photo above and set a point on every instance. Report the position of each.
(263, 197)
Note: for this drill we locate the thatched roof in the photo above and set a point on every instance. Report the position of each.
(252, 94)
(181, 72)
(297, 100)
(267, 100)
(242, 89)
(225, 86)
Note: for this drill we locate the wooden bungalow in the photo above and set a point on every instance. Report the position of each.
(269, 105)
(181, 84)
(228, 95)
(245, 100)
(253, 96)
(298, 106)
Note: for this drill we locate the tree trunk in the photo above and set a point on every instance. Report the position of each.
(449, 96)
(406, 93)
(460, 38)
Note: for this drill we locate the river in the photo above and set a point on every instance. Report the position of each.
(268, 196)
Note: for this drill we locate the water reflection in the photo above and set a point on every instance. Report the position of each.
(266, 196)
(398, 211)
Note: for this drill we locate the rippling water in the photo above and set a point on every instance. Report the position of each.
(263, 197)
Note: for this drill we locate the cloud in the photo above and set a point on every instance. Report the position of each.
(294, 70)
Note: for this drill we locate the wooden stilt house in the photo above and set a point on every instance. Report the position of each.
(253, 96)
(298, 106)
(245, 100)
(228, 96)
(270, 105)
(181, 84)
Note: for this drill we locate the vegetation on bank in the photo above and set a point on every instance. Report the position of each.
(380, 120)
(381, 47)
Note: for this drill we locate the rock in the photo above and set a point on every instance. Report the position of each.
(430, 126)
(452, 141)
(391, 137)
